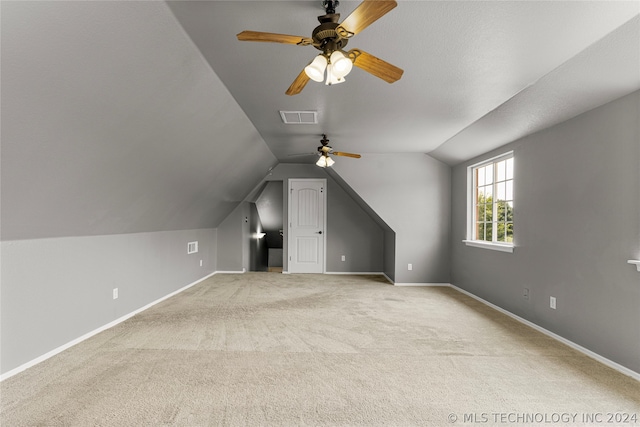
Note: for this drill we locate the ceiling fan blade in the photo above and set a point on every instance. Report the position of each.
(257, 36)
(364, 15)
(376, 66)
(303, 154)
(298, 84)
(341, 153)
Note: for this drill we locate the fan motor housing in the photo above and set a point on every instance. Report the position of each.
(325, 33)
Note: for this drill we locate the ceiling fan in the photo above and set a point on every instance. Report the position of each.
(331, 37)
(324, 150)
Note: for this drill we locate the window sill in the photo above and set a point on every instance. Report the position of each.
(502, 247)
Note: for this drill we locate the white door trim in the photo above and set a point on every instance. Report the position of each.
(290, 245)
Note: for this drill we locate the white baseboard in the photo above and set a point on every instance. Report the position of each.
(361, 273)
(96, 331)
(610, 363)
(371, 273)
(421, 284)
(622, 369)
(356, 273)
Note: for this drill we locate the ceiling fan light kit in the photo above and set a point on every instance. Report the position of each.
(325, 161)
(341, 63)
(330, 37)
(332, 77)
(315, 70)
(337, 66)
(334, 63)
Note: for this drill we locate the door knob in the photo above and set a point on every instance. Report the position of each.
(319, 232)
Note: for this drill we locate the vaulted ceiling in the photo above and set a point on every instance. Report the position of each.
(477, 75)
(121, 117)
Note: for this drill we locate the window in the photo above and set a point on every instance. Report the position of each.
(491, 204)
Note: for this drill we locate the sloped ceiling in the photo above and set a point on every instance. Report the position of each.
(477, 74)
(112, 122)
(127, 116)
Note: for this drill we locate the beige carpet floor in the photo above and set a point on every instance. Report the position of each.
(267, 349)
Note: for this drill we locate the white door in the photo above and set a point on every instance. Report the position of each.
(307, 214)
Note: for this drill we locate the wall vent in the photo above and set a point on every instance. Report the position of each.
(192, 248)
(299, 117)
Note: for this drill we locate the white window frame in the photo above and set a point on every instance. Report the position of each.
(471, 212)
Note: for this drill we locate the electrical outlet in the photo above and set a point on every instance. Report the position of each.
(552, 302)
(344, 258)
(115, 293)
(200, 263)
(409, 266)
(525, 293)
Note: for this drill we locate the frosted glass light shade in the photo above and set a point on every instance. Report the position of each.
(325, 161)
(341, 64)
(315, 70)
(332, 78)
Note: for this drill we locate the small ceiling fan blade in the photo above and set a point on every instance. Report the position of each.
(303, 154)
(257, 36)
(341, 153)
(364, 15)
(298, 84)
(376, 66)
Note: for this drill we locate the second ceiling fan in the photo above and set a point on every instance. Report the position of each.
(324, 150)
(331, 37)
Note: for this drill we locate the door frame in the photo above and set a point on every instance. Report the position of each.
(323, 181)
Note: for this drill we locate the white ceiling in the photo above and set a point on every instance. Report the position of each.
(477, 74)
(119, 118)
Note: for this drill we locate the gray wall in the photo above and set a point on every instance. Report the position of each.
(353, 233)
(106, 130)
(258, 249)
(389, 240)
(411, 193)
(270, 207)
(233, 240)
(577, 222)
(350, 231)
(117, 134)
(56, 290)
(390, 254)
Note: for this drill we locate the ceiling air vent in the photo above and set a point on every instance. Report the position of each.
(299, 117)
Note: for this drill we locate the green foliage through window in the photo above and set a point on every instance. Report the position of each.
(493, 201)
(485, 223)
